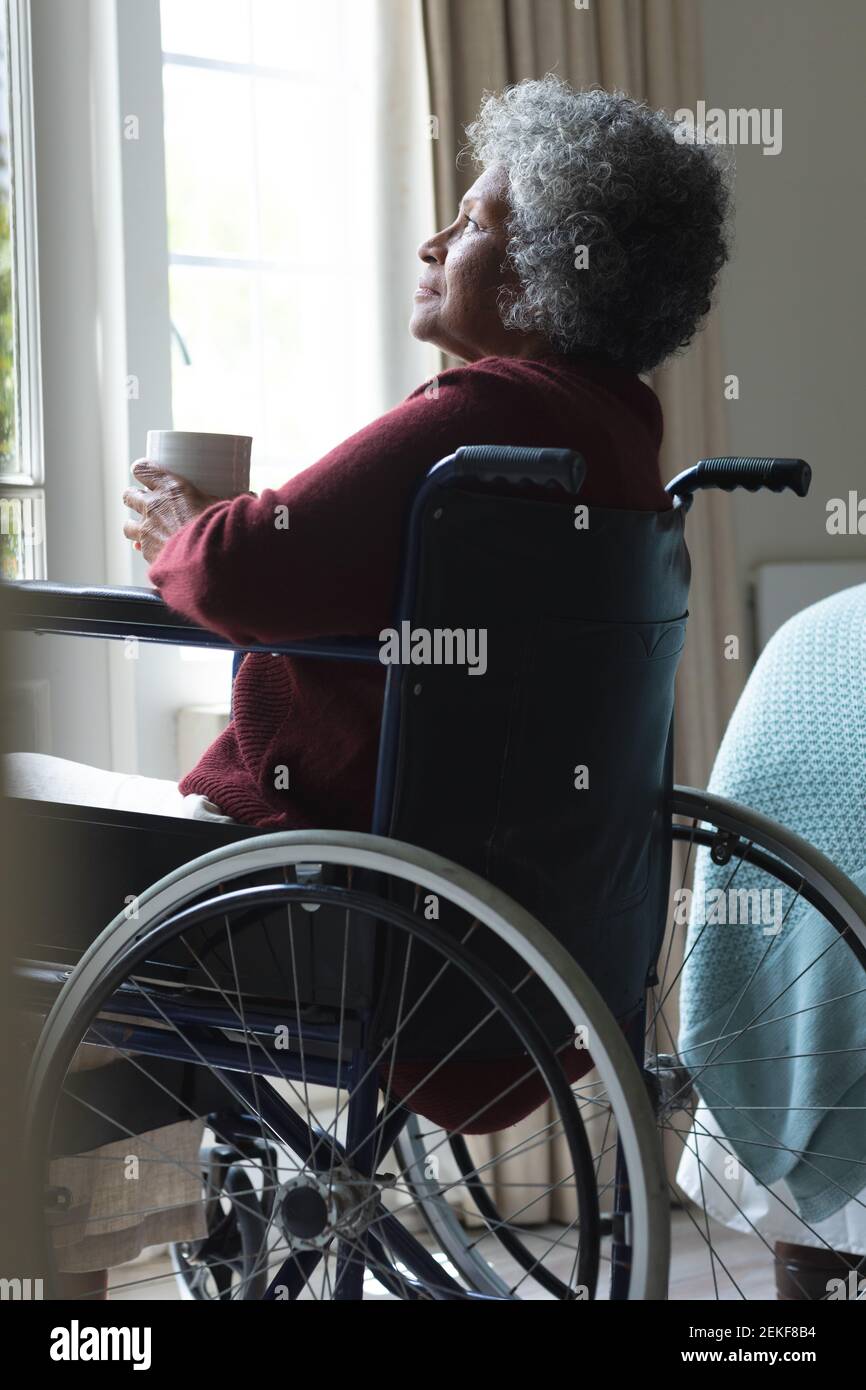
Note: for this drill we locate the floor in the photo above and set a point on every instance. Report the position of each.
(743, 1267)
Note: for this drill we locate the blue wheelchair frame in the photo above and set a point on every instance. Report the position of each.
(122, 613)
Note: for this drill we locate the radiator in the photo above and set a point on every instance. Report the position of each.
(781, 590)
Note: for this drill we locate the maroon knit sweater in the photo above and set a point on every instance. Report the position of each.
(333, 572)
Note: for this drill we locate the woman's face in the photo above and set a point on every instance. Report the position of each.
(464, 269)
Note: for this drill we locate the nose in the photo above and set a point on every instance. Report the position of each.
(433, 251)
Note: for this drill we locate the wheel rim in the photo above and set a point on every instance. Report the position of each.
(379, 855)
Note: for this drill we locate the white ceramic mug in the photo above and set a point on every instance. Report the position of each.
(218, 464)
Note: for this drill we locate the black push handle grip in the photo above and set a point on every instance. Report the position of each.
(492, 463)
(753, 474)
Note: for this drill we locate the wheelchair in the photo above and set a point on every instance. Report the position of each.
(433, 1061)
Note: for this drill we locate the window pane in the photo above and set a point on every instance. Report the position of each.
(260, 350)
(293, 34)
(280, 348)
(302, 213)
(208, 144)
(304, 401)
(308, 407)
(215, 390)
(207, 28)
(9, 450)
(22, 536)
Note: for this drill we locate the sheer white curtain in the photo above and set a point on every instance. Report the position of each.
(403, 212)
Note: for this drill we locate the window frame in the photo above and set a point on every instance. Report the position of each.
(25, 277)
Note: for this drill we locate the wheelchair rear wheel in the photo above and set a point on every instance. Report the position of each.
(179, 992)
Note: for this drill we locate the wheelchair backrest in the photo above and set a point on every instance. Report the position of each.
(544, 761)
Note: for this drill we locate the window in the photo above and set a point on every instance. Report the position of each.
(232, 194)
(269, 223)
(21, 498)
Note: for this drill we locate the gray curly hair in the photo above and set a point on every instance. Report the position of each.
(601, 170)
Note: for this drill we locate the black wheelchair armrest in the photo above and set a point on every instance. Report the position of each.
(38, 606)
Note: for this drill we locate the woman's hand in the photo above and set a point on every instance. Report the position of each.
(164, 505)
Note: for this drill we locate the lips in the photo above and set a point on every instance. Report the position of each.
(425, 291)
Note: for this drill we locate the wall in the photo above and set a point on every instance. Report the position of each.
(792, 302)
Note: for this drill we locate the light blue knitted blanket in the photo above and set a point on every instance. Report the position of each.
(795, 749)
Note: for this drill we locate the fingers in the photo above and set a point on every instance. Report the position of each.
(164, 504)
(136, 499)
(152, 475)
(143, 469)
(142, 499)
(132, 531)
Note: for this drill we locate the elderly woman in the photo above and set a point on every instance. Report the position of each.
(585, 254)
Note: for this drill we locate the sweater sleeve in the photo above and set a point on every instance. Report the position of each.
(319, 556)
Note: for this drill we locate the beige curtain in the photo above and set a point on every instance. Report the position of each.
(402, 204)
(652, 50)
